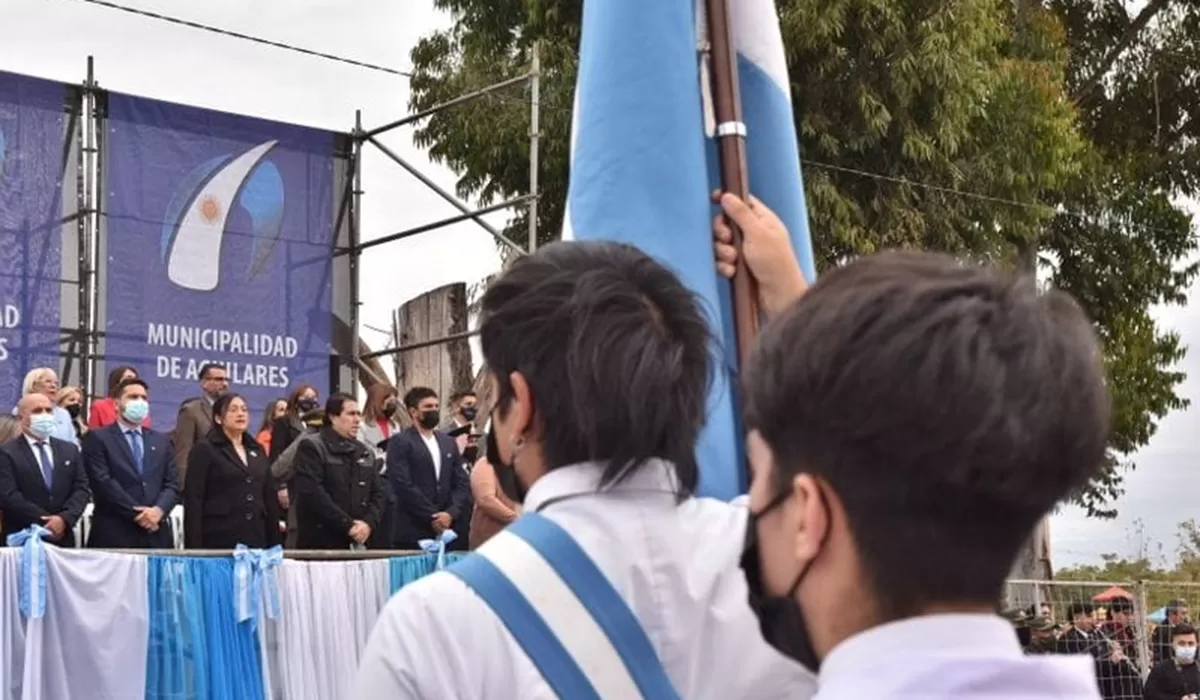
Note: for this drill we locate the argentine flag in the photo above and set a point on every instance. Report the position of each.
(644, 163)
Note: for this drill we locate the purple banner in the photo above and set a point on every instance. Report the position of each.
(33, 122)
(219, 248)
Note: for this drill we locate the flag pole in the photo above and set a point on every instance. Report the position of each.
(731, 143)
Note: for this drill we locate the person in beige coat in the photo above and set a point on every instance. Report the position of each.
(195, 421)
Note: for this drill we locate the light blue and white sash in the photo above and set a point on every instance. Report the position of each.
(564, 613)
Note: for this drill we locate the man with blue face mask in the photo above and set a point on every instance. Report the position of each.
(42, 481)
(132, 472)
(1177, 677)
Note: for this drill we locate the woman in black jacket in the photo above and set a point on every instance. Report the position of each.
(229, 496)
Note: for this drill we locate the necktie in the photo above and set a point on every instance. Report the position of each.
(135, 440)
(47, 464)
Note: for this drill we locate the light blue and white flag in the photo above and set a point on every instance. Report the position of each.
(644, 163)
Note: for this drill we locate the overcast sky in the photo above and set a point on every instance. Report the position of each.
(52, 39)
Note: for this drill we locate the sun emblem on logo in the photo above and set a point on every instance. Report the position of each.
(210, 209)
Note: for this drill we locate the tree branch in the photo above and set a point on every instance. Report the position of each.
(1131, 33)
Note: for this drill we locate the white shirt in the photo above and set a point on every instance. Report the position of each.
(950, 657)
(435, 453)
(675, 565)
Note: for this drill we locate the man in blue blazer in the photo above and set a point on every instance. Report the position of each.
(132, 473)
(425, 466)
(42, 480)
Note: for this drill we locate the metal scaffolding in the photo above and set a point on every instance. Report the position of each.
(370, 136)
(82, 346)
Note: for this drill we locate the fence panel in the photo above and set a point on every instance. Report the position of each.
(1123, 624)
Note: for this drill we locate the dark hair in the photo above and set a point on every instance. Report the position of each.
(115, 376)
(1076, 609)
(1181, 629)
(208, 367)
(221, 406)
(126, 383)
(268, 414)
(335, 404)
(1176, 604)
(1120, 604)
(460, 395)
(948, 407)
(414, 396)
(616, 351)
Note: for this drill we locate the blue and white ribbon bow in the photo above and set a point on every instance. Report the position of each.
(438, 546)
(32, 584)
(256, 578)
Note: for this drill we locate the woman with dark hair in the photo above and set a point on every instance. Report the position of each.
(273, 412)
(104, 411)
(291, 424)
(229, 495)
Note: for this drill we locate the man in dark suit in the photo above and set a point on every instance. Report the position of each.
(42, 479)
(426, 470)
(132, 473)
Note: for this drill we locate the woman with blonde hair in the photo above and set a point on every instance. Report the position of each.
(71, 399)
(44, 381)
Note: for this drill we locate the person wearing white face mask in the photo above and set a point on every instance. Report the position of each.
(132, 472)
(42, 481)
(1176, 678)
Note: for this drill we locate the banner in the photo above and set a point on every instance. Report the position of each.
(218, 248)
(33, 126)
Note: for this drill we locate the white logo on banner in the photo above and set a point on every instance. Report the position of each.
(195, 259)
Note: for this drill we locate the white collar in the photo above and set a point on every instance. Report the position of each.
(34, 442)
(975, 634)
(654, 476)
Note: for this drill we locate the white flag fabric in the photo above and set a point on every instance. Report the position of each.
(133, 627)
(92, 641)
(327, 612)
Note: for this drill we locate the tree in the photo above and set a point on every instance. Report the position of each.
(955, 126)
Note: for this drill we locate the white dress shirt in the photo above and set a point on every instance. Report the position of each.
(950, 657)
(435, 453)
(675, 565)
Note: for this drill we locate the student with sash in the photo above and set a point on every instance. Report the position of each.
(911, 419)
(616, 583)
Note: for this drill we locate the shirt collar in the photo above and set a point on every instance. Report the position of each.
(127, 428)
(933, 635)
(34, 442)
(653, 476)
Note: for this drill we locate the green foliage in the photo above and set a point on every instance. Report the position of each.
(939, 124)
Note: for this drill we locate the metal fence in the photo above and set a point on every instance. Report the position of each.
(1128, 615)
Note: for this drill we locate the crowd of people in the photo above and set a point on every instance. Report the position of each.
(1164, 669)
(909, 420)
(308, 474)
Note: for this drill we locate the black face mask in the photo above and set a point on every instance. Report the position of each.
(74, 410)
(470, 454)
(506, 475)
(780, 619)
(388, 410)
(468, 412)
(306, 405)
(429, 419)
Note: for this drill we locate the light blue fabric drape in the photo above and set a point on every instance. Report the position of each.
(176, 663)
(197, 648)
(405, 570)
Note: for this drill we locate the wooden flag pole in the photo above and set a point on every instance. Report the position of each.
(731, 142)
